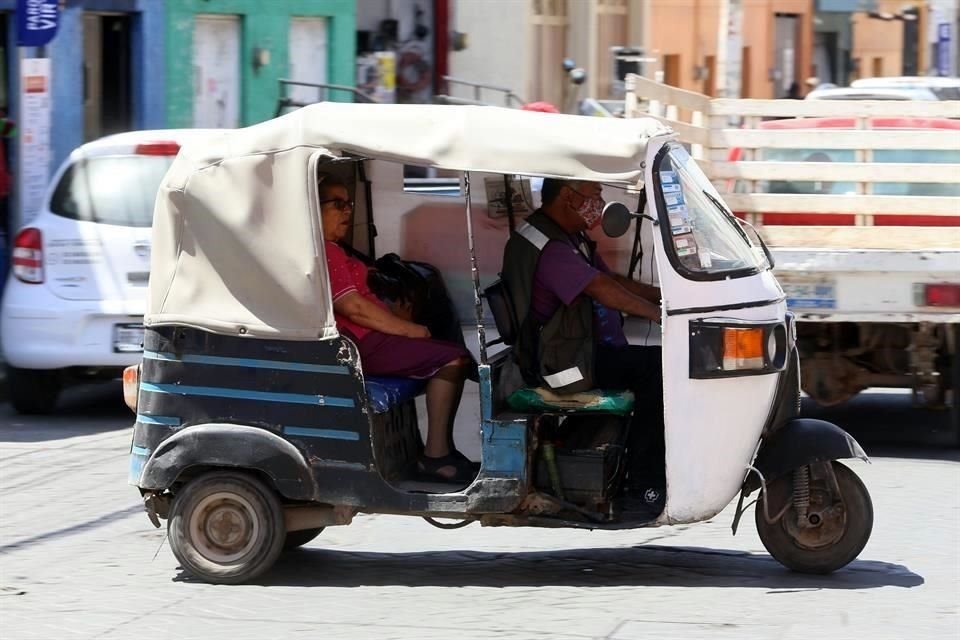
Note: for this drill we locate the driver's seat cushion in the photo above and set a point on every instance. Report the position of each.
(542, 400)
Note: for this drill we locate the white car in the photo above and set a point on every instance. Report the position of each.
(942, 88)
(872, 93)
(74, 300)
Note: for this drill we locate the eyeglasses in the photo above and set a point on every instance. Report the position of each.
(586, 197)
(338, 203)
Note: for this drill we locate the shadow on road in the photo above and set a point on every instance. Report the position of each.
(647, 565)
(82, 410)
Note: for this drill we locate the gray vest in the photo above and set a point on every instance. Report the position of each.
(558, 355)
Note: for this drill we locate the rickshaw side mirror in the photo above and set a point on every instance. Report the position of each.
(616, 219)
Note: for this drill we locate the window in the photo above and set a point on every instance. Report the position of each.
(117, 190)
(906, 156)
(702, 238)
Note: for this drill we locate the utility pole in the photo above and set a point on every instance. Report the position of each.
(729, 49)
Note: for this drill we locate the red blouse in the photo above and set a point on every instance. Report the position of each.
(348, 275)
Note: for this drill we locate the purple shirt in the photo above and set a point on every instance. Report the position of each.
(562, 274)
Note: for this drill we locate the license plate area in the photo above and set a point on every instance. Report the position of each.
(809, 292)
(128, 338)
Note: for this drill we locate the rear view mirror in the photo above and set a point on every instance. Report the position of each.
(616, 219)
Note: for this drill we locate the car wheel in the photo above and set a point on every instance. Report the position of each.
(838, 529)
(226, 527)
(34, 391)
(299, 538)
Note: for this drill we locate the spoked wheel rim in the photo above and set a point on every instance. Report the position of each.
(224, 527)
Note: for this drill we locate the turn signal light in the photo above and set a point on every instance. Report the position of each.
(131, 386)
(743, 348)
(725, 349)
(942, 295)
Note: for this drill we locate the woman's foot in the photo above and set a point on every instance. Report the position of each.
(453, 467)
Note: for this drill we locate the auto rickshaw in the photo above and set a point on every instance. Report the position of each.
(256, 427)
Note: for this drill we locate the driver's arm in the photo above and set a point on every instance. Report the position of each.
(645, 291)
(609, 292)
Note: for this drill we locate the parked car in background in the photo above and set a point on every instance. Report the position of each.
(75, 296)
(872, 93)
(942, 88)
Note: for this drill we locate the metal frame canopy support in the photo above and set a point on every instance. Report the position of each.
(474, 270)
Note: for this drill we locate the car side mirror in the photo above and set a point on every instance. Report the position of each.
(616, 219)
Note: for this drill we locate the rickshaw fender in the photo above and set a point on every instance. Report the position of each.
(234, 447)
(799, 442)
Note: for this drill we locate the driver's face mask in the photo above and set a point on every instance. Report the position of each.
(590, 209)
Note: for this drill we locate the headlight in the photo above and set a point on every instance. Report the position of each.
(722, 349)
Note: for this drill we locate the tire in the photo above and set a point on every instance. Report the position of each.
(250, 509)
(34, 391)
(299, 538)
(954, 433)
(835, 543)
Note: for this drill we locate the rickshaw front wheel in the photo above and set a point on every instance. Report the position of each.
(836, 529)
(226, 527)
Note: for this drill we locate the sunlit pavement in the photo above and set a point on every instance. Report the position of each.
(79, 559)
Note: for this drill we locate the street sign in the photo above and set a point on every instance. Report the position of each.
(943, 49)
(34, 135)
(36, 22)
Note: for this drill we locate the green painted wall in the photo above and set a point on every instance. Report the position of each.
(264, 24)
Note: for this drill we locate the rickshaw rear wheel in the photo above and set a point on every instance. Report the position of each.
(839, 535)
(299, 538)
(226, 527)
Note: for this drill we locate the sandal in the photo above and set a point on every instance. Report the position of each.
(459, 456)
(429, 468)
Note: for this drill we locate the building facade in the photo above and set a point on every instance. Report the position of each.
(117, 65)
(767, 45)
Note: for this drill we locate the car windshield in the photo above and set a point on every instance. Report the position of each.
(703, 238)
(116, 190)
(906, 156)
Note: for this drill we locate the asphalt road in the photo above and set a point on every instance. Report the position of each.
(78, 558)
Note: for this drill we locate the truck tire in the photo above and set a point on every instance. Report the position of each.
(299, 538)
(954, 427)
(34, 391)
(226, 527)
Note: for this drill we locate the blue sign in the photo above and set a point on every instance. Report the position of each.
(943, 49)
(36, 22)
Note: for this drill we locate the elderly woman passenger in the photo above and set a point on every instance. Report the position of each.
(393, 346)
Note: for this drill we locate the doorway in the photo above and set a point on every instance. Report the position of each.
(106, 75)
(216, 72)
(308, 58)
(785, 55)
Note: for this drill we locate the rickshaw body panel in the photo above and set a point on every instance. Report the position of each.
(712, 426)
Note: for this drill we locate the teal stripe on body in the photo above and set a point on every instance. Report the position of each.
(169, 421)
(140, 451)
(244, 394)
(313, 432)
(247, 362)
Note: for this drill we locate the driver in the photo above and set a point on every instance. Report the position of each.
(568, 306)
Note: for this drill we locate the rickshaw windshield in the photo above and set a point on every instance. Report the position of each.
(702, 238)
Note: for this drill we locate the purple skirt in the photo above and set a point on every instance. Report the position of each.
(385, 355)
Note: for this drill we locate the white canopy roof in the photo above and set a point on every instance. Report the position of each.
(237, 245)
